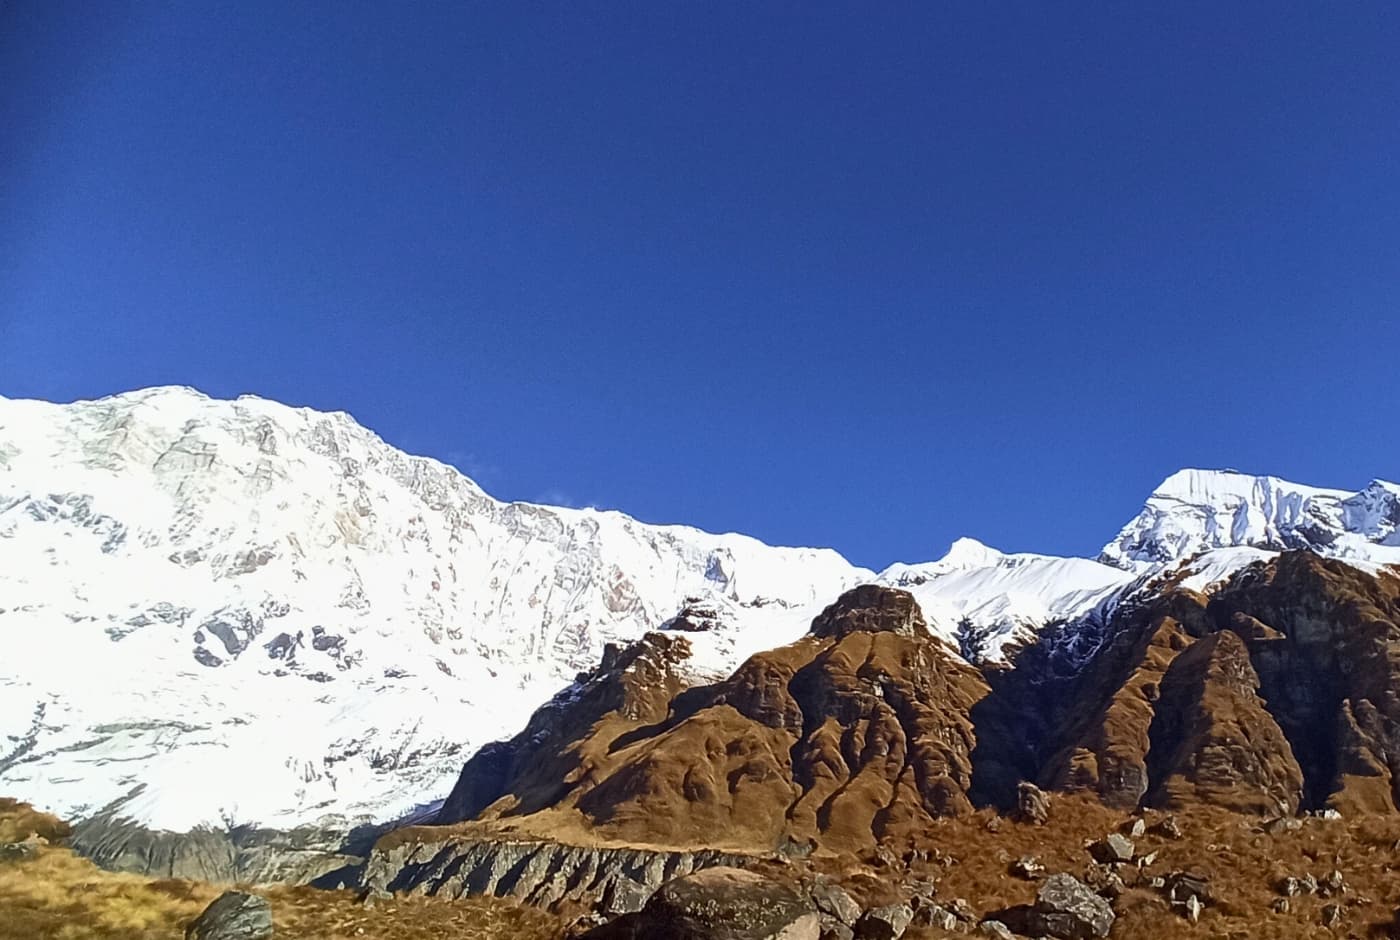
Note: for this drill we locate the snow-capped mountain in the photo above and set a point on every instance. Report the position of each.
(1196, 510)
(241, 613)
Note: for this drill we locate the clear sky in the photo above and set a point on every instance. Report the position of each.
(871, 276)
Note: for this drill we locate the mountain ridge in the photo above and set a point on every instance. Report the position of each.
(317, 609)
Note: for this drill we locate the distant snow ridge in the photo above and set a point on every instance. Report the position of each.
(992, 599)
(239, 613)
(1196, 510)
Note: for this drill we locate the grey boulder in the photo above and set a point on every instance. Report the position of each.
(233, 915)
(1067, 908)
(726, 904)
(887, 922)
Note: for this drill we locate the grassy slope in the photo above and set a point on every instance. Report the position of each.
(61, 896)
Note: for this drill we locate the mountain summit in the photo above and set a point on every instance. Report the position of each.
(1196, 510)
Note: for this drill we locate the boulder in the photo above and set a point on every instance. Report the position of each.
(1112, 850)
(933, 915)
(624, 896)
(1281, 824)
(887, 922)
(1067, 908)
(995, 929)
(726, 904)
(834, 902)
(1028, 867)
(233, 915)
(963, 910)
(1182, 885)
(1032, 805)
(371, 897)
(1168, 828)
(18, 851)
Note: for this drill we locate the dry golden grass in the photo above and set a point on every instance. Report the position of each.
(1244, 865)
(19, 821)
(61, 896)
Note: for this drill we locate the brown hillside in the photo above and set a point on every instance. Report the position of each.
(565, 740)
(856, 734)
(1312, 683)
(1213, 741)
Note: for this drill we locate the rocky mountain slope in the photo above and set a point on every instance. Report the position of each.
(853, 735)
(1277, 691)
(240, 615)
(1264, 707)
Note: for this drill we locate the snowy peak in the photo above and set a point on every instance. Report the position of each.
(1197, 510)
(1002, 598)
(962, 554)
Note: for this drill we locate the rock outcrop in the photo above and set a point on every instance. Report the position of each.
(234, 915)
(1329, 669)
(243, 855)
(541, 872)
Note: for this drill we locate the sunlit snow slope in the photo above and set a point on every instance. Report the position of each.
(239, 611)
(1196, 510)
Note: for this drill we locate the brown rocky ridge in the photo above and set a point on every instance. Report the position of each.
(868, 748)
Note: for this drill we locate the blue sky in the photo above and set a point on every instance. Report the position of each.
(825, 275)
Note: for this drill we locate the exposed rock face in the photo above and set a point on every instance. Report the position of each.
(543, 873)
(724, 904)
(244, 855)
(1330, 673)
(871, 608)
(1108, 711)
(833, 902)
(233, 916)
